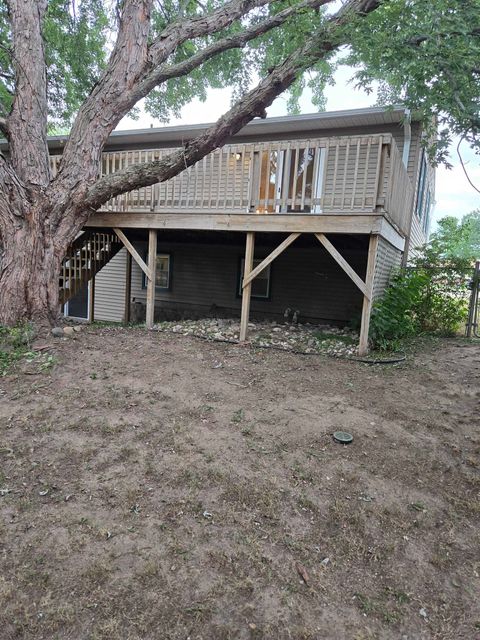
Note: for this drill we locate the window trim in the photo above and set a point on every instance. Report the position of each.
(241, 259)
(170, 267)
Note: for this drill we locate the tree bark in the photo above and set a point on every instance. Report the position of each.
(29, 273)
(40, 217)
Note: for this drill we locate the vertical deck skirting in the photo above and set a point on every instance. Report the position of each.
(368, 296)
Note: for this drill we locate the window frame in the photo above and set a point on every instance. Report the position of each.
(256, 262)
(160, 254)
(422, 184)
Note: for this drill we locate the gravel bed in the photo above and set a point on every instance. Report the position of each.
(306, 338)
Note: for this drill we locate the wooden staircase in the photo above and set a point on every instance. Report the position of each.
(85, 257)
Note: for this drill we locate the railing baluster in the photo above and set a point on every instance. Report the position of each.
(268, 165)
(304, 173)
(335, 172)
(377, 173)
(285, 179)
(355, 175)
(345, 174)
(365, 178)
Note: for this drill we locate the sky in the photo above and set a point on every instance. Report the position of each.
(454, 195)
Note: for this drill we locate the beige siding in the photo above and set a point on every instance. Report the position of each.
(204, 279)
(110, 289)
(388, 259)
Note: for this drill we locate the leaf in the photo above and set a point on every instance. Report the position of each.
(302, 572)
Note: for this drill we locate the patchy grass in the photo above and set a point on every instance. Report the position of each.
(146, 491)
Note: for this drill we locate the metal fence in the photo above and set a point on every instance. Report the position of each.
(473, 322)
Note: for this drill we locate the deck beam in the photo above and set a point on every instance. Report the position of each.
(281, 222)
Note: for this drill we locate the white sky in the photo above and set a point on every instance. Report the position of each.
(454, 195)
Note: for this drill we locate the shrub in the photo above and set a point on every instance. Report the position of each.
(424, 298)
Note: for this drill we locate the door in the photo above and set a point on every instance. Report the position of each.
(291, 180)
(77, 307)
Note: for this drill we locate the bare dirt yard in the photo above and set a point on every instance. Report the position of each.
(157, 486)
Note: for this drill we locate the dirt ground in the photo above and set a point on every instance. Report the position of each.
(156, 486)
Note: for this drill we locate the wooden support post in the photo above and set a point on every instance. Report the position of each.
(367, 298)
(247, 290)
(91, 300)
(152, 261)
(128, 287)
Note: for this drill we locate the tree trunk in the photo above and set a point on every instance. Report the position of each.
(29, 272)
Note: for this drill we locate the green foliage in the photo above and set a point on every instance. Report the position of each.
(425, 54)
(457, 240)
(393, 316)
(431, 295)
(14, 345)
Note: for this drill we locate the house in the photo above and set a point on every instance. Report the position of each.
(304, 213)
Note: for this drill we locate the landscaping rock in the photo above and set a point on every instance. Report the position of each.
(302, 338)
(69, 331)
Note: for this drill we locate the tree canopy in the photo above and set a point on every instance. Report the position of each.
(83, 65)
(457, 238)
(423, 54)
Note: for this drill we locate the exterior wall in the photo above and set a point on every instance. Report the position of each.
(205, 279)
(110, 289)
(388, 259)
(418, 235)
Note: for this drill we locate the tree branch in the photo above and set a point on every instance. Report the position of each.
(27, 122)
(179, 32)
(109, 100)
(250, 106)
(124, 83)
(462, 163)
(167, 72)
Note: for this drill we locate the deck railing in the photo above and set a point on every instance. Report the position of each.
(337, 175)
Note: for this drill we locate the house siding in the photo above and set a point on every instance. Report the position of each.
(388, 259)
(418, 236)
(205, 277)
(110, 289)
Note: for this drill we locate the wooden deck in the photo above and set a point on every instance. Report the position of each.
(273, 186)
(336, 185)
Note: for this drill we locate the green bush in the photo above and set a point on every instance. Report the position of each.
(431, 295)
(421, 299)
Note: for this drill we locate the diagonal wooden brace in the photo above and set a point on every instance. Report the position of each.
(270, 258)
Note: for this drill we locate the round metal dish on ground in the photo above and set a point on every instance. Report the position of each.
(343, 437)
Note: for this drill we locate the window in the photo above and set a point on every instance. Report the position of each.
(260, 284)
(420, 208)
(428, 207)
(162, 272)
